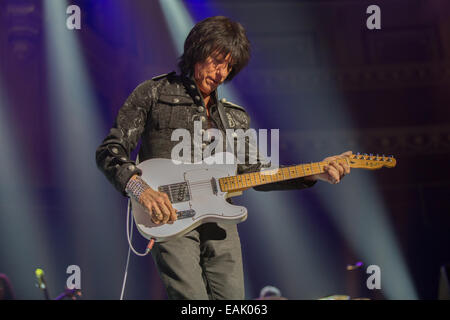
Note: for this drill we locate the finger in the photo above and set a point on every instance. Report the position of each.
(173, 212)
(150, 210)
(346, 154)
(173, 216)
(166, 212)
(341, 169)
(163, 200)
(338, 167)
(155, 219)
(157, 214)
(149, 206)
(333, 175)
(345, 166)
(346, 169)
(166, 206)
(160, 200)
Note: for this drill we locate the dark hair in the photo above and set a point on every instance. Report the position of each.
(215, 34)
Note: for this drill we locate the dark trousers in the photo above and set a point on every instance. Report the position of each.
(205, 263)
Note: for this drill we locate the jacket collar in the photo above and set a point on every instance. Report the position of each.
(192, 89)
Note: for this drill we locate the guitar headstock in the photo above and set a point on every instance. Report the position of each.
(372, 162)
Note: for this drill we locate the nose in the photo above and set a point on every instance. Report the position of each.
(222, 71)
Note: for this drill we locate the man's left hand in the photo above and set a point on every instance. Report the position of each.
(334, 171)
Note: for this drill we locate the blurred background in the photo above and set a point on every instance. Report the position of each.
(317, 73)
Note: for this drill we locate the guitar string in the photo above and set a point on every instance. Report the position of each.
(244, 179)
(202, 183)
(319, 164)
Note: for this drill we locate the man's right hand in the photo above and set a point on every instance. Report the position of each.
(157, 205)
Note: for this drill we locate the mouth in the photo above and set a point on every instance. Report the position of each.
(213, 82)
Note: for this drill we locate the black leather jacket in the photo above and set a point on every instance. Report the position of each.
(152, 112)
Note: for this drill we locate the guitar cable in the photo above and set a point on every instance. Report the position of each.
(131, 248)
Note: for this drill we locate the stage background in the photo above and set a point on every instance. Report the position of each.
(317, 73)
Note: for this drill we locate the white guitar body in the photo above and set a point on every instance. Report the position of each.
(193, 190)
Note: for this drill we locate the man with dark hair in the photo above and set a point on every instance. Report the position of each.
(206, 262)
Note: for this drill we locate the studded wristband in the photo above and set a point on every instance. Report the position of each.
(135, 187)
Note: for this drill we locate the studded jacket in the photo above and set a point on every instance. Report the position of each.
(151, 113)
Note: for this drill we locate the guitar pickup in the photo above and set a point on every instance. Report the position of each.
(185, 214)
(214, 185)
(177, 192)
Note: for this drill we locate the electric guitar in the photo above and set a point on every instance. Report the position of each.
(199, 190)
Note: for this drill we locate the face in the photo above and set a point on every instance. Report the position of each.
(212, 72)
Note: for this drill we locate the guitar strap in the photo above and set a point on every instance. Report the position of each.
(221, 110)
(230, 144)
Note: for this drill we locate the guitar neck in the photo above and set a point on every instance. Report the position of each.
(248, 180)
(245, 181)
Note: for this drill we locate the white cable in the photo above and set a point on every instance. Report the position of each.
(130, 232)
(130, 247)
(125, 275)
